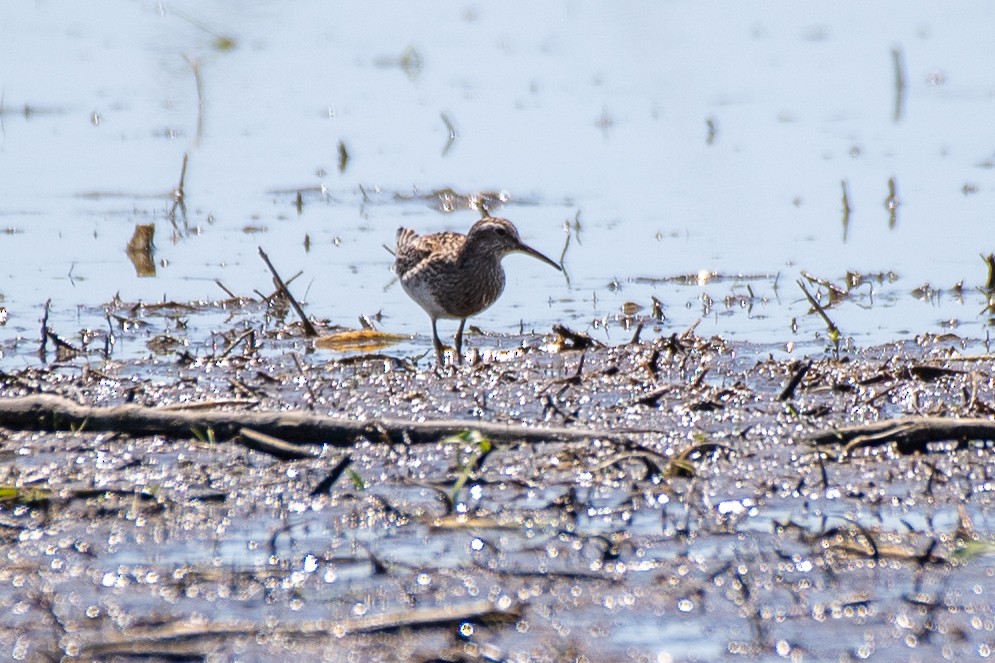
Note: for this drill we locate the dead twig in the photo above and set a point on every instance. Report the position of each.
(309, 330)
(43, 349)
(236, 342)
(270, 445)
(834, 332)
(325, 485)
(796, 379)
(227, 291)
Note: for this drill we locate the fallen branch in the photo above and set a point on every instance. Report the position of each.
(911, 434)
(159, 638)
(48, 412)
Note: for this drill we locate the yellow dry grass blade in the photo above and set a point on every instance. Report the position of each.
(361, 340)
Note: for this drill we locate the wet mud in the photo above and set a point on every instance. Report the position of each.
(690, 501)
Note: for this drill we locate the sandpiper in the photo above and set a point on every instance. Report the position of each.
(454, 276)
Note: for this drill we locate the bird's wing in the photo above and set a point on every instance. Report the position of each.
(413, 249)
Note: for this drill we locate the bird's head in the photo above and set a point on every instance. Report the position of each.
(499, 237)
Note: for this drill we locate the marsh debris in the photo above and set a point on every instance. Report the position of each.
(140, 250)
(990, 265)
(448, 200)
(679, 482)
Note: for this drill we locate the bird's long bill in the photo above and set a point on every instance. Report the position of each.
(525, 248)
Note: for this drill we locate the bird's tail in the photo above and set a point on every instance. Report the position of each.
(405, 236)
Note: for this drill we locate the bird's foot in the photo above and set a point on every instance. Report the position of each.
(442, 352)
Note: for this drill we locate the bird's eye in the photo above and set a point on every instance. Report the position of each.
(501, 231)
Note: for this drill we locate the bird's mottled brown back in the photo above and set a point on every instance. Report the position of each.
(413, 249)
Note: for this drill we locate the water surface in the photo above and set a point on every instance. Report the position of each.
(666, 140)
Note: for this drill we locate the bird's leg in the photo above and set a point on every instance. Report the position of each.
(459, 341)
(439, 347)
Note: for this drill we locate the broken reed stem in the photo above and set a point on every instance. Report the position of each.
(309, 330)
(846, 208)
(235, 343)
(199, 82)
(343, 157)
(899, 67)
(796, 379)
(896, 57)
(178, 192)
(990, 263)
(834, 331)
(43, 350)
(891, 204)
(227, 291)
(453, 135)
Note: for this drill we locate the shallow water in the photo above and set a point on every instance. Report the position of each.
(686, 138)
(668, 142)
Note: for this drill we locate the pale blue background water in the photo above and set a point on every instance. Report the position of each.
(599, 108)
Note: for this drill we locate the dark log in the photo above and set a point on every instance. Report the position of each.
(53, 413)
(909, 433)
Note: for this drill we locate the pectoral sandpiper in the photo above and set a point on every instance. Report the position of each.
(454, 276)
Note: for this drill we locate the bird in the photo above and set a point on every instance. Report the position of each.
(455, 276)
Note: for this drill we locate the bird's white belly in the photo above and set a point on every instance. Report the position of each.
(419, 291)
